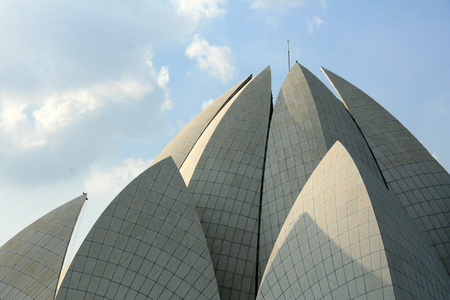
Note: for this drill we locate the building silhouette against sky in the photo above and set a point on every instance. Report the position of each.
(311, 198)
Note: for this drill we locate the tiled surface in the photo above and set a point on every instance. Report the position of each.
(30, 263)
(182, 143)
(416, 271)
(412, 174)
(147, 244)
(307, 120)
(337, 124)
(226, 187)
(339, 240)
(344, 236)
(191, 161)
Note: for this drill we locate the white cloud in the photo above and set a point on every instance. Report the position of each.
(62, 109)
(83, 72)
(217, 61)
(277, 4)
(205, 104)
(163, 80)
(314, 24)
(167, 105)
(14, 124)
(196, 9)
(63, 132)
(81, 44)
(163, 77)
(282, 5)
(11, 115)
(59, 110)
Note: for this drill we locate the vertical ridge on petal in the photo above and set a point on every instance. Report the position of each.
(226, 187)
(307, 120)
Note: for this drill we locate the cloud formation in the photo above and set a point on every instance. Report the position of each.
(70, 44)
(217, 61)
(323, 3)
(197, 9)
(277, 4)
(57, 111)
(314, 24)
(283, 5)
(82, 78)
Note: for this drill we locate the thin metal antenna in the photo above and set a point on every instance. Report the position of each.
(289, 58)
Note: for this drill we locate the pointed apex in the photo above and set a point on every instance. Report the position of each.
(295, 71)
(341, 85)
(330, 75)
(264, 71)
(338, 144)
(335, 81)
(301, 70)
(264, 78)
(323, 69)
(297, 65)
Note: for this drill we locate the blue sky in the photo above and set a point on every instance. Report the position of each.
(90, 92)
